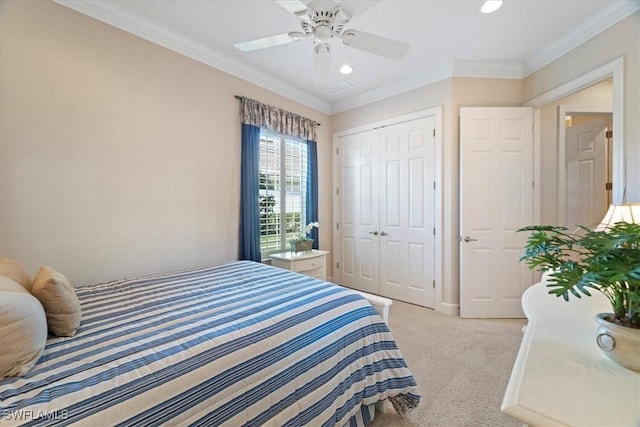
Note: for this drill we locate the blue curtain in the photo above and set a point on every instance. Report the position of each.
(312, 189)
(250, 194)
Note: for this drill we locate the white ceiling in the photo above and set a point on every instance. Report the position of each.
(447, 38)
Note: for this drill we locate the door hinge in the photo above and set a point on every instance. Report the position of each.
(608, 186)
(337, 266)
(434, 284)
(337, 191)
(434, 231)
(434, 132)
(608, 134)
(337, 226)
(337, 151)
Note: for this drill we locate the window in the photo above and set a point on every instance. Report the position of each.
(283, 186)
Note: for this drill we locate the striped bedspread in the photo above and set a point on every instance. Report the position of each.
(235, 344)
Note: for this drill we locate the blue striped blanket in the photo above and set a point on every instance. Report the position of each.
(238, 344)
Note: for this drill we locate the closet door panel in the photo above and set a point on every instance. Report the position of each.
(407, 215)
(359, 212)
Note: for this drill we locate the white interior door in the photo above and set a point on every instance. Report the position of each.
(496, 199)
(407, 215)
(586, 169)
(359, 216)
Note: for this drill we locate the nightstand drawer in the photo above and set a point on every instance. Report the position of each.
(317, 273)
(308, 264)
(312, 263)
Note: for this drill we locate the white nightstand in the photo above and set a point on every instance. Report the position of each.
(313, 263)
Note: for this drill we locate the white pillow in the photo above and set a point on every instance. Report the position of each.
(59, 300)
(14, 271)
(23, 329)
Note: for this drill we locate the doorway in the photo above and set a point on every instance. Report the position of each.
(546, 165)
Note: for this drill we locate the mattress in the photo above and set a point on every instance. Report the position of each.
(235, 344)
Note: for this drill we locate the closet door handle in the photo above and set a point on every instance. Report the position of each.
(375, 233)
(384, 233)
(469, 239)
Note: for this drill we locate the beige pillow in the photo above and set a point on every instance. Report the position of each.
(23, 329)
(59, 300)
(14, 271)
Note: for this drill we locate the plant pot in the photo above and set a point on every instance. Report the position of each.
(301, 245)
(621, 344)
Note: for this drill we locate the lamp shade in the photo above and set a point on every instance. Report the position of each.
(620, 212)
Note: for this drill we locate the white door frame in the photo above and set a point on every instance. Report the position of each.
(613, 70)
(562, 178)
(439, 245)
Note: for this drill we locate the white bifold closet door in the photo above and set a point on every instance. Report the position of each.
(387, 215)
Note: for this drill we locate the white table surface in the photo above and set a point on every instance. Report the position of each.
(560, 376)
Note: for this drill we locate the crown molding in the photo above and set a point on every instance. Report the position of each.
(116, 16)
(434, 75)
(619, 10)
(113, 14)
(488, 70)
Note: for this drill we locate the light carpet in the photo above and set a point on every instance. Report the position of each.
(462, 367)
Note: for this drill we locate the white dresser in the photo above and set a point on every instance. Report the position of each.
(313, 263)
(560, 376)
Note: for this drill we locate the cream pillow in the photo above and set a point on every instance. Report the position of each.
(23, 329)
(14, 271)
(59, 300)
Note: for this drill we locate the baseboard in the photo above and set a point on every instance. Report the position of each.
(448, 309)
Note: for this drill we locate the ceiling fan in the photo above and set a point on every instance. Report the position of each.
(323, 20)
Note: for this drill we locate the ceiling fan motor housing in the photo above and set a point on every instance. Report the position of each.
(323, 20)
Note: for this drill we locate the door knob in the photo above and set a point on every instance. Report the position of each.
(469, 239)
(384, 233)
(375, 233)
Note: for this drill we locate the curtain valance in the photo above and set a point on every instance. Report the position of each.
(275, 119)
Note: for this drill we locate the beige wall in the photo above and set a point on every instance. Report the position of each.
(622, 39)
(119, 157)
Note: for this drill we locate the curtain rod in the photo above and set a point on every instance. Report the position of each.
(242, 97)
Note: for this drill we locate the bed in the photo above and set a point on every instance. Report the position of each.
(240, 343)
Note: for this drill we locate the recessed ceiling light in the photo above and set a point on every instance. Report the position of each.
(346, 69)
(490, 6)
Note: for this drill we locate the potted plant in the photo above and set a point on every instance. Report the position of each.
(301, 242)
(606, 261)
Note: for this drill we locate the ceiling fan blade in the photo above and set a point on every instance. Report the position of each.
(377, 45)
(322, 63)
(292, 6)
(263, 43)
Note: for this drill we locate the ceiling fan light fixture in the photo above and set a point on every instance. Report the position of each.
(491, 6)
(322, 33)
(346, 69)
(322, 48)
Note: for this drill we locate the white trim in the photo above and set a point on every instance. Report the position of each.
(488, 70)
(562, 176)
(591, 28)
(537, 168)
(436, 112)
(449, 309)
(615, 71)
